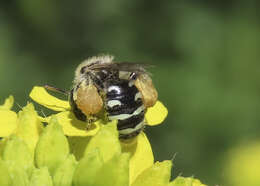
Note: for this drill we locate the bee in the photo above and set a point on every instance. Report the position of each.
(123, 91)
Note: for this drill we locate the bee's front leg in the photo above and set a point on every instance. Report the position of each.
(90, 122)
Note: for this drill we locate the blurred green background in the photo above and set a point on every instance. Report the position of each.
(205, 55)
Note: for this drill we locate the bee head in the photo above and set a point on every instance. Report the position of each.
(83, 68)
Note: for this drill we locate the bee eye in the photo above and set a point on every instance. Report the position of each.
(82, 70)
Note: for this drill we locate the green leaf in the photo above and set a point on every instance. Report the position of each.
(86, 171)
(17, 154)
(5, 179)
(114, 172)
(64, 173)
(52, 148)
(41, 177)
(29, 126)
(106, 140)
(159, 174)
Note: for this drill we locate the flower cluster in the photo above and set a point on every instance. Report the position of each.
(243, 159)
(64, 153)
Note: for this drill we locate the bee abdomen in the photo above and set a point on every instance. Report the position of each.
(123, 103)
(121, 108)
(131, 122)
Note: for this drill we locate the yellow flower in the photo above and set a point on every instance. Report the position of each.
(96, 157)
(25, 124)
(181, 181)
(8, 118)
(8, 104)
(242, 165)
(139, 148)
(73, 127)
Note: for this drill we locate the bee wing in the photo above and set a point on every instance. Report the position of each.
(124, 66)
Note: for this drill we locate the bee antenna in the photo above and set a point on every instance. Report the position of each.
(55, 89)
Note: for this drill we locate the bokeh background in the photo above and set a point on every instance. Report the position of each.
(206, 57)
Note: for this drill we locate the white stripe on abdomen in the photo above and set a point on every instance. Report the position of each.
(112, 103)
(131, 130)
(138, 95)
(125, 116)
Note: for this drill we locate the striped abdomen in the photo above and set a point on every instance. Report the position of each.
(124, 103)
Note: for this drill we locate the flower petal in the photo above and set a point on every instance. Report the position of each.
(114, 172)
(64, 173)
(41, 96)
(9, 102)
(52, 147)
(5, 178)
(88, 166)
(78, 145)
(44, 119)
(17, 155)
(141, 155)
(29, 126)
(159, 174)
(41, 177)
(18, 175)
(243, 160)
(74, 127)
(106, 140)
(8, 122)
(189, 181)
(156, 114)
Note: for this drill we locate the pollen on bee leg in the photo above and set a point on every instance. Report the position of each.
(88, 99)
(145, 85)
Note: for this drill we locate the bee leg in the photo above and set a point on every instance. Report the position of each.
(145, 86)
(90, 121)
(77, 112)
(88, 100)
